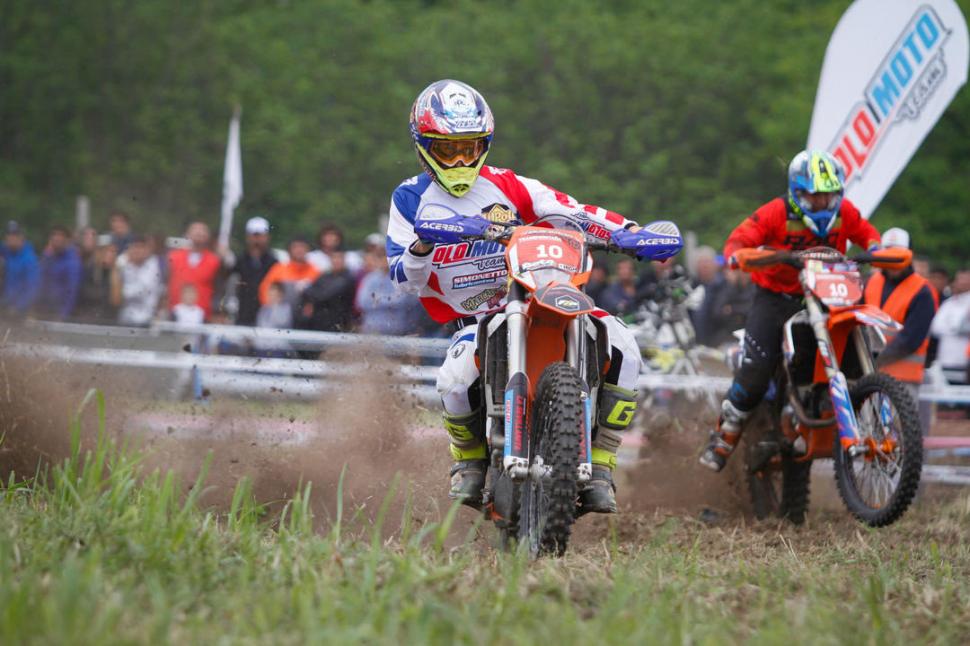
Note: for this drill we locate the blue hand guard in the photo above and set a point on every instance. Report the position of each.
(657, 241)
(449, 229)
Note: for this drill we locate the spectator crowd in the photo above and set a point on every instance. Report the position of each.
(127, 278)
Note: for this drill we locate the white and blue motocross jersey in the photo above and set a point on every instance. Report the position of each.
(469, 278)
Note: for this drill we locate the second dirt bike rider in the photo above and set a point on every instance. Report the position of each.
(458, 280)
(813, 213)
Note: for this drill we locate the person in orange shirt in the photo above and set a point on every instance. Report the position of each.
(294, 275)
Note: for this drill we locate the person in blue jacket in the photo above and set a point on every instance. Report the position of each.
(60, 276)
(21, 276)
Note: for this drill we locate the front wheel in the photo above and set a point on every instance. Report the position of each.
(548, 497)
(878, 484)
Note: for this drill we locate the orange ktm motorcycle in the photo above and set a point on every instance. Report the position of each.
(542, 360)
(828, 400)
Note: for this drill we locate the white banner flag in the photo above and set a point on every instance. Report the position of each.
(232, 181)
(890, 70)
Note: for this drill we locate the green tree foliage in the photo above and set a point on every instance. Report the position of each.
(688, 110)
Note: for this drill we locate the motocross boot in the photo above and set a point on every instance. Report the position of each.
(725, 438)
(599, 494)
(615, 412)
(468, 450)
(468, 481)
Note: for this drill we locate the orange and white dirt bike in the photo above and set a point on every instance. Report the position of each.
(827, 399)
(542, 360)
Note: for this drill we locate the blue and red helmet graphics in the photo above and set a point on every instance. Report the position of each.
(452, 111)
(449, 107)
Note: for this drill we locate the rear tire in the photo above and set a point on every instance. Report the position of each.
(781, 492)
(778, 485)
(877, 488)
(548, 505)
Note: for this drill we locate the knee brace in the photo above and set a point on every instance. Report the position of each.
(467, 435)
(617, 406)
(615, 412)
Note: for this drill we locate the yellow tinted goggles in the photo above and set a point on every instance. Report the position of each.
(449, 152)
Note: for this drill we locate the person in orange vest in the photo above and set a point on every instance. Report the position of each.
(910, 300)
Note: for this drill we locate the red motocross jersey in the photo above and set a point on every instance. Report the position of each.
(773, 225)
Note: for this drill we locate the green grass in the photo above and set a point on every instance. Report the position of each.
(93, 551)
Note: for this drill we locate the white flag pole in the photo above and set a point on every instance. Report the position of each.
(232, 181)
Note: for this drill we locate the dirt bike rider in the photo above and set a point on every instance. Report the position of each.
(813, 213)
(458, 280)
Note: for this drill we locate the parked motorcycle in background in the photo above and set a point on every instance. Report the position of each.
(668, 342)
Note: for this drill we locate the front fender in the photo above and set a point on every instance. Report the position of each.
(563, 299)
(865, 315)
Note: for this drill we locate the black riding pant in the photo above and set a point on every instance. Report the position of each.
(763, 331)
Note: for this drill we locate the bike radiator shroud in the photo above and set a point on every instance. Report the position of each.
(802, 348)
(494, 365)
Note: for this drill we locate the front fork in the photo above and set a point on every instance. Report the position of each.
(576, 357)
(838, 386)
(515, 458)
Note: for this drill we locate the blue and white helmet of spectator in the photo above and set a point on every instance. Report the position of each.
(816, 172)
(452, 128)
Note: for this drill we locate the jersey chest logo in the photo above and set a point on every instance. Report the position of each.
(499, 213)
(802, 241)
(475, 253)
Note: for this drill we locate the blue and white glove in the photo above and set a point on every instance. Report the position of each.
(435, 227)
(657, 241)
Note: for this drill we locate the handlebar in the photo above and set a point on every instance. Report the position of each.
(502, 232)
(892, 258)
(776, 258)
(598, 244)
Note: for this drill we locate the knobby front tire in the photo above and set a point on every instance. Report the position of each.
(878, 487)
(548, 505)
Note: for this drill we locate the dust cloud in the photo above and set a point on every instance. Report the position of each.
(370, 432)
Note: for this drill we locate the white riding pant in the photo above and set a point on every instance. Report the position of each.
(458, 372)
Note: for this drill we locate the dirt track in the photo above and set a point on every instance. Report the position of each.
(370, 430)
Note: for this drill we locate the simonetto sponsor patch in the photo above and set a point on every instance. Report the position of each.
(481, 278)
